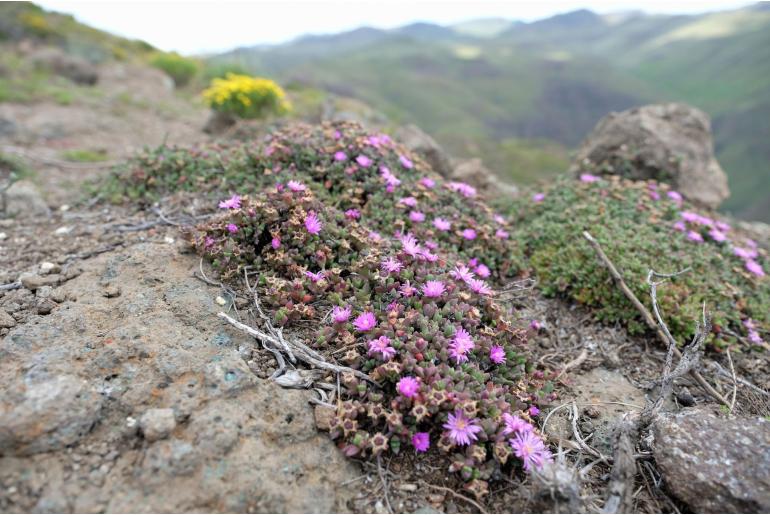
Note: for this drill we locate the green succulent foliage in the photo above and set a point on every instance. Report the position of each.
(637, 233)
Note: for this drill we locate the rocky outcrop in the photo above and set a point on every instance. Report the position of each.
(714, 464)
(667, 142)
(146, 402)
(426, 147)
(74, 68)
(473, 172)
(23, 198)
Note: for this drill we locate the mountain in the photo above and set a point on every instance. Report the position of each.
(498, 81)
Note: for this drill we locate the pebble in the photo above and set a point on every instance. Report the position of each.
(34, 281)
(3, 236)
(6, 320)
(47, 267)
(221, 301)
(111, 291)
(63, 231)
(169, 240)
(157, 423)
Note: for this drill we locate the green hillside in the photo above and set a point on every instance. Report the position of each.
(484, 88)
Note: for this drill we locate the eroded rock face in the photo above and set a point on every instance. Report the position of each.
(714, 464)
(76, 69)
(147, 402)
(668, 142)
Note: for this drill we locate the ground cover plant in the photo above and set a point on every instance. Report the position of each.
(643, 225)
(398, 271)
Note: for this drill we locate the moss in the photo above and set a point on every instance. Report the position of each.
(85, 155)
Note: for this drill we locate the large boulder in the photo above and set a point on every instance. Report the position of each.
(714, 464)
(426, 147)
(22, 198)
(667, 142)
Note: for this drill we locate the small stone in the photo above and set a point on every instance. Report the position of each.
(6, 320)
(591, 412)
(34, 281)
(64, 208)
(47, 267)
(168, 239)
(157, 424)
(323, 417)
(63, 231)
(685, 398)
(3, 236)
(220, 300)
(45, 306)
(111, 291)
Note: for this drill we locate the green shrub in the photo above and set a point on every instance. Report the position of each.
(179, 68)
(221, 69)
(85, 155)
(636, 230)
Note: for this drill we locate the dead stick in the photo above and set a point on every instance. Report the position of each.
(647, 316)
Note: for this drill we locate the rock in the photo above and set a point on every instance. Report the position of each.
(6, 320)
(23, 198)
(219, 122)
(426, 147)
(74, 68)
(667, 142)
(111, 291)
(323, 417)
(714, 464)
(157, 424)
(341, 108)
(33, 281)
(473, 172)
(49, 268)
(50, 414)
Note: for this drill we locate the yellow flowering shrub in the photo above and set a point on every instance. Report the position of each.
(246, 97)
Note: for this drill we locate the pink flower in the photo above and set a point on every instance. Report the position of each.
(407, 290)
(233, 202)
(538, 197)
(353, 214)
(587, 177)
(480, 287)
(694, 236)
(680, 226)
(390, 179)
(231, 228)
(340, 314)
(497, 354)
(722, 226)
(466, 190)
(410, 245)
(469, 234)
(416, 216)
(461, 345)
(363, 161)
(483, 270)
(375, 236)
(503, 235)
(441, 224)
(530, 449)
(755, 268)
(499, 219)
(391, 266)
(382, 347)
(717, 235)
(275, 243)
(408, 386)
(337, 134)
(432, 245)
(428, 182)
(754, 337)
(462, 431)
(433, 289)
(365, 321)
(751, 243)
(534, 411)
(428, 256)
(514, 424)
(675, 196)
(315, 277)
(312, 223)
(535, 325)
(408, 201)
(421, 442)
(405, 162)
(208, 242)
(296, 186)
(340, 156)
(654, 195)
(745, 253)
(462, 273)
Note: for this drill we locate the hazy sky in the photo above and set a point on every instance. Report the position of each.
(207, 26)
